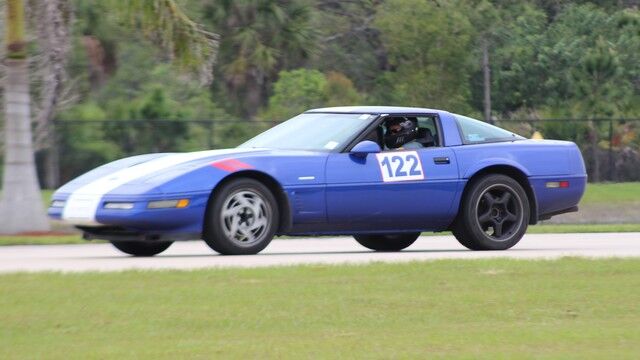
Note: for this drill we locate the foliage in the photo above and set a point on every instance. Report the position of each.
(258, 39)
(295, 92)
(164, 22)
(348, 42)
(302, 89)
(82, 144)
(548, 59)
(340, 91)
(428, 44)
(400, 52)
(154, 96)
(515, 45)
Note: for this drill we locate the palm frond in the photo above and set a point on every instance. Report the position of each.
(186, 42)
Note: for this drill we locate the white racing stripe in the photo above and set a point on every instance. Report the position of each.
(82, 204)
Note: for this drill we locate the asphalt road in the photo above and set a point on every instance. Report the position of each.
(191, 255)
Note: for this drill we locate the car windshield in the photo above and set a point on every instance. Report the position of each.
(312, 131)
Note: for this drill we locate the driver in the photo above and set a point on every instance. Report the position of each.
(401, 134)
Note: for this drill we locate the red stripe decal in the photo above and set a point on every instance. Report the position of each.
(231, 165)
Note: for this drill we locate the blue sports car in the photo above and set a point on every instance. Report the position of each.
(381, 174)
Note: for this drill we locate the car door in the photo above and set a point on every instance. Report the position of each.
(391, 190)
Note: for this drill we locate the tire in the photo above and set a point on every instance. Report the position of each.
(242, 218)
(140, 248)
(494, 214)
(387, 242)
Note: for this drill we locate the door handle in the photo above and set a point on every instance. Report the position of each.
(441, 160)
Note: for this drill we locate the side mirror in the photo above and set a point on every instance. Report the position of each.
(365, 147)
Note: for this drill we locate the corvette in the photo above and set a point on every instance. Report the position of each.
(380, 174)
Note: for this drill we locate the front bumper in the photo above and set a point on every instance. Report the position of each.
(140, 219)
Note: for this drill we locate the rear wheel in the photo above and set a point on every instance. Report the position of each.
(141, 248)
(242, 218)
(494, 214)
(387, 242)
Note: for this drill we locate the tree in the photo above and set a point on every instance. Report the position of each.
(190, 46)
(486, 20)
(186, 42)
(589, 61)
(259, 39)
(299, 90)
(593, 80)
(21, 207)
(428, 45)
(52, 19)
(516, 74)
(348, 41)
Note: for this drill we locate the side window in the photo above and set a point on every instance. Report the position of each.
(427, 125)
(409, 132)
(476, 131)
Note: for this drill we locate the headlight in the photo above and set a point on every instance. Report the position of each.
(57, 203)
(166, 204)
(118, 205)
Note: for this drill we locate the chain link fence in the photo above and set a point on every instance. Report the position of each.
(611, 147)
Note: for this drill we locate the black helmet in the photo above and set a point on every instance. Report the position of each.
(407, 133)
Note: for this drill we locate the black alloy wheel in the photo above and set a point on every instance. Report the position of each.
(494, 214)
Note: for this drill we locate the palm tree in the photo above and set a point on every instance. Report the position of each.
(259, 38)
(21, 206)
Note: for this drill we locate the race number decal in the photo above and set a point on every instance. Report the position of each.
(400, 166)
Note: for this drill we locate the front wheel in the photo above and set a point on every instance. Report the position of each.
(494, 214)
(387, 242)
(242, 218)
(140, 248)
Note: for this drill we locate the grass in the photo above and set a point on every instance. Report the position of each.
(612, 193)
(568, 308)
(46, 197)
(42, 240)
(582, 228)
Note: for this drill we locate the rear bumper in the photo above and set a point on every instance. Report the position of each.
(552, 201)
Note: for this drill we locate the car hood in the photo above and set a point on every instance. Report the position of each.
(144, 173)
(140, 168)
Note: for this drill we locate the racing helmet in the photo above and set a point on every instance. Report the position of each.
(400, 131)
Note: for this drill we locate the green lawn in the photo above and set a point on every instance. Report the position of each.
(569, 308)
(582, 228)
(612, 193)
(41, 240)
(46, 197)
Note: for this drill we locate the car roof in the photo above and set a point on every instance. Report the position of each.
(373, 110)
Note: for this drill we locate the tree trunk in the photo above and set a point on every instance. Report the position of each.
(486, 72)
(593, 138)
(52, 166)
(253, 96)
(21, 207)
